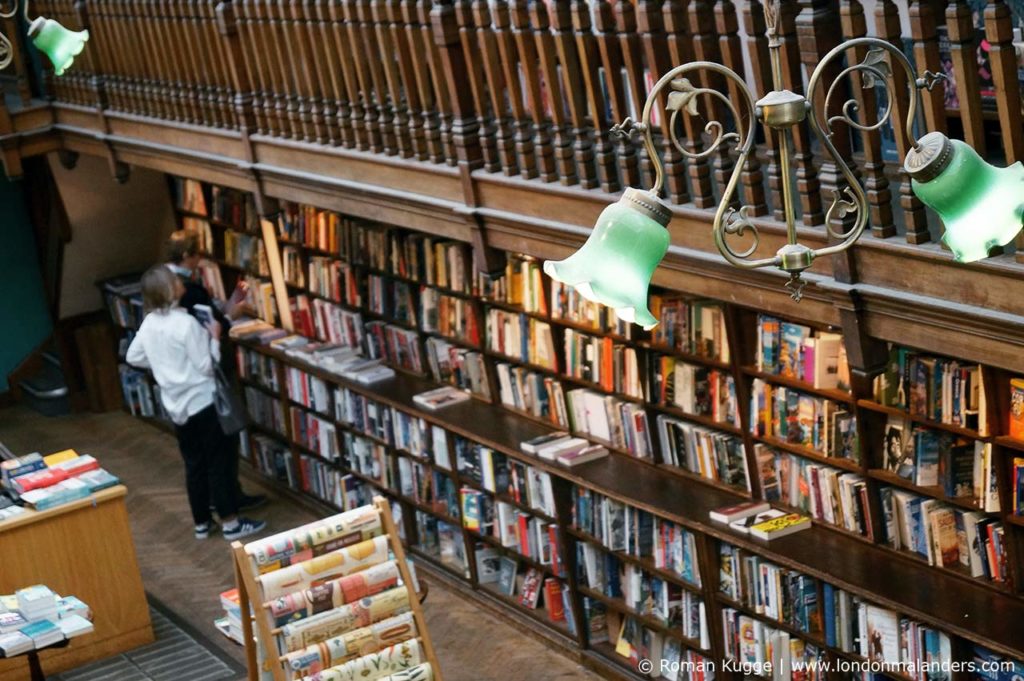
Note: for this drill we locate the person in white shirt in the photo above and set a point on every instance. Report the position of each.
(182, 354)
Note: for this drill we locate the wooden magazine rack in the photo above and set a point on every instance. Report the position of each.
(252, 605)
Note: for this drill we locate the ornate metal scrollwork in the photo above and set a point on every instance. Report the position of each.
(6, 48)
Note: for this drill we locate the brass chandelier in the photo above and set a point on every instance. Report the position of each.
(615, 265)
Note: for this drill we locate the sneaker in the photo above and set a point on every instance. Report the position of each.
(248, 502)
(244, 528)
(204, 530)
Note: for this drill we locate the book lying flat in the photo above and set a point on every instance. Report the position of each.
(781, 526)
(440, 398)
(730, 514)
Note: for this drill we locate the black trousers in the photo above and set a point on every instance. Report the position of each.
(211, 471)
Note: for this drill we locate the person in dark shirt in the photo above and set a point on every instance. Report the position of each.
(184, 256)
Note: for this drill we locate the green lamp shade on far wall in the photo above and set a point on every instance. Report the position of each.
(981, 206)
(615, 265)
(57, 42)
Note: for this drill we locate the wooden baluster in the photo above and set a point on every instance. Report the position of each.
(705, 48)
(328, 68)
(103, 37)
(876, 184)
(650, 23)
(432, 149)
(408, 83)
(284, 53)
(760, 65)
(528, 60)
(196, 68)
(807, 183)
(551, 87)
(130, 43)
(727, 24)
(155, 89)
(680, 51)
(629, 43)
(248, 31)
(184, 51)
(360, 134)
(513, 85)
(594, 99)
(612, 63)
(237, 69)
(486, 43)
(887, 26)
(210, 55)
(386, 59)
(454, 70)
(572, 72)
(477, 87)
(923, 21)
(819, 30)
(306, 71)
(272, 62)
(963, 50)
(226, 89)
(999, 33)
(371, 114)
(378, 85)
(120, 55)
(442, 104)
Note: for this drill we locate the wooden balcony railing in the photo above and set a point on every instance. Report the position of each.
(530, 88)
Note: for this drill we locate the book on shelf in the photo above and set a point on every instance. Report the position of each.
(1016, 416)
(744, 524)
(399, 346)
(935, 388)
(606, 418)
(695, 389)
(462, 367)
(438, 398)
(704, 451)
(189, 195)
(533, 392)
(529, 592)
(568, 305)
(781, 526)
(581, 456)
(792, 416)
(521, 338)
(533, 445)
(695, 327)
(507, 571)
(735, 512)
(801, 353)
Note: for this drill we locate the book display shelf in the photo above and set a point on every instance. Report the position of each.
(914, 551)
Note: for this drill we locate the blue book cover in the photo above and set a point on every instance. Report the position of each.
(791, 342)
(830, 614)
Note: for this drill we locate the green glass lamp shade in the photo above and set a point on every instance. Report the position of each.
(615, 265)
(57, 42)
(981, 206)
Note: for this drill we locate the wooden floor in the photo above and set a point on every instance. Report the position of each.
(187, 575)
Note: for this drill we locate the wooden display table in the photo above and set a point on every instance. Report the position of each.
(82, 549)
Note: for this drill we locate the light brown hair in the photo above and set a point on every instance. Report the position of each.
(159, 288)
(182, 244)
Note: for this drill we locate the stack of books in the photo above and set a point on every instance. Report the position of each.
(35, 617)
(45, 482)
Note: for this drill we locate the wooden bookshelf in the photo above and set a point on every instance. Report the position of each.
(970, 610)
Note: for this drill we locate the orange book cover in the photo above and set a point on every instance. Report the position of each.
(1017, 408)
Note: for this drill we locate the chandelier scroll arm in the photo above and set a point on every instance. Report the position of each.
(852, 199)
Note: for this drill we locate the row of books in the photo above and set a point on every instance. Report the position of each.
(600, 360)
(495, 472)
(935, 388)
(451, 316)
(802, 419)
(620, 527)
(429, 486)
(521, 337)
(801, 353)
(271, 457)
(531, 589)
(316, 433)
(432, 261)
(769, 590)
(246, 252)
(521, 285)
(364, 414)
(517, 530)
(759, 649)
(125, 303)
(668, 602)
(293, 267)
(322, 230)
(398, 346)
(901, 644)
(695, 327)
(828, 494)
(334, 279)
(704, 451)
(961, 467)
(610, 420)
(308, 390)
(533, 392)
(415, 436)
(141, 393)
(201, 228)
(946, 536)
(458, 366)
(188, 195)
(326, 321)
(568, 305)
(232, 207)
(443, 541)
(260, 298)
(257, 367)
(264, 409)
(693, 388)
(325, 482)
(391, 298)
